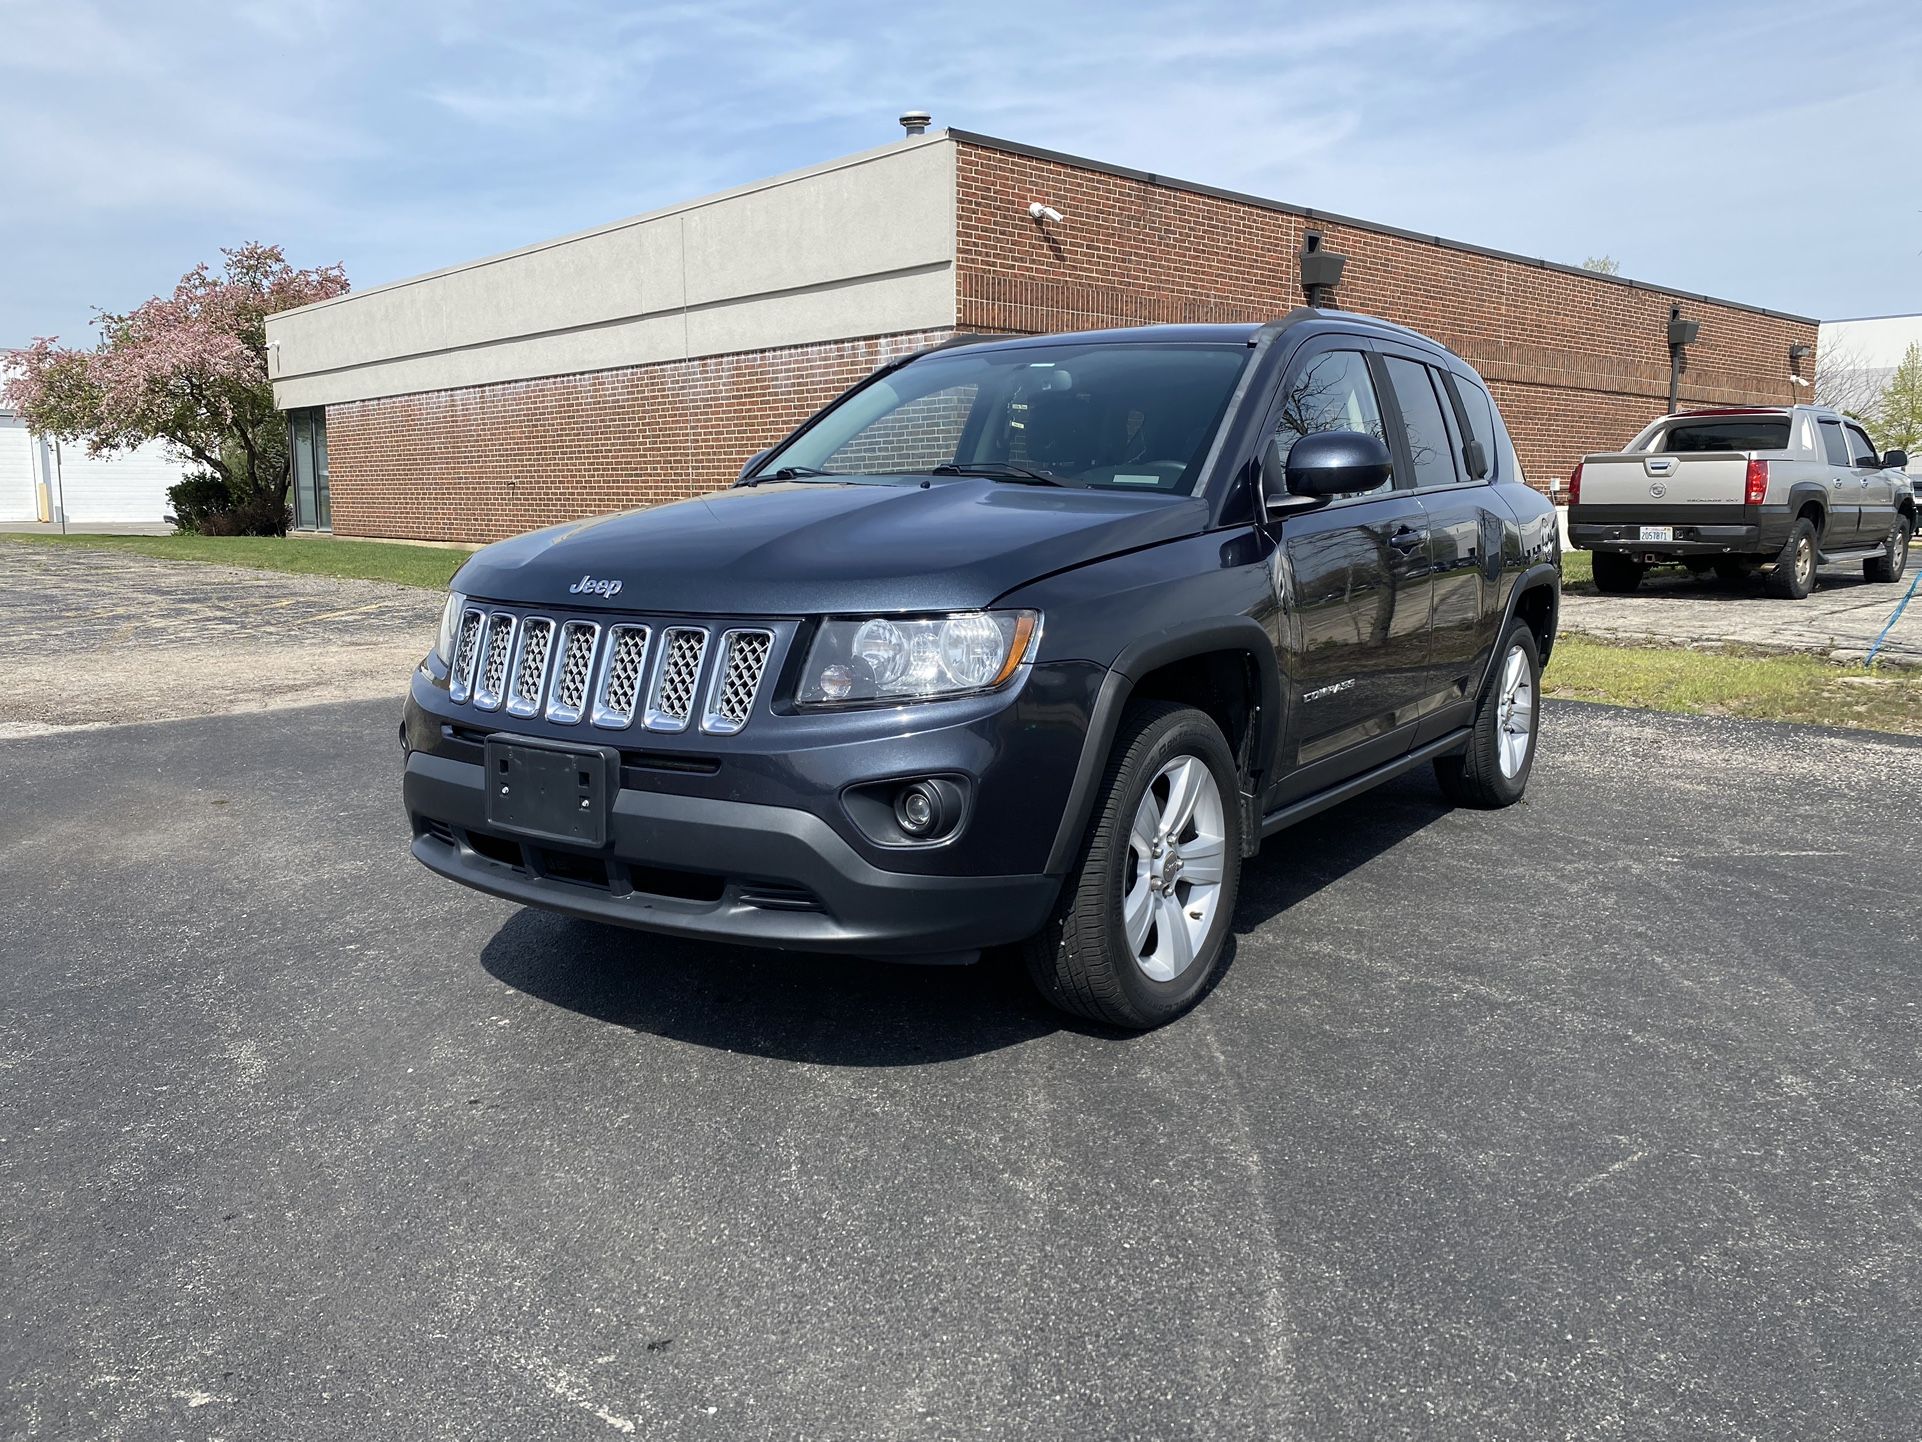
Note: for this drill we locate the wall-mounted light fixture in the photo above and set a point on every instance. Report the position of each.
(1320, 270)
(1798, 353)
(1681, 335)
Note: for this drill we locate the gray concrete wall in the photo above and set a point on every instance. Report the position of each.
(861, 246)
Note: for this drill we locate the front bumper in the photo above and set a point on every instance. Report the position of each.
(753, 837)
(767, 875)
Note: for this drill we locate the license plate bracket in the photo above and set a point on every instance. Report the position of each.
(550, 790)
(1657, 533)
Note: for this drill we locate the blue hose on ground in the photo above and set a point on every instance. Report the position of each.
(1909, 596)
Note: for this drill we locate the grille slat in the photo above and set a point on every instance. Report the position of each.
(737, 680)
(622, 669)
(676, 674)
(497, 647)
(530, 669)
(460, 676)
(573, 673)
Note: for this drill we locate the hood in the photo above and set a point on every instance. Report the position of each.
(813, 547)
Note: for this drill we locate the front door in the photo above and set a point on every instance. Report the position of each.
(1875, 484)
(1354, 582)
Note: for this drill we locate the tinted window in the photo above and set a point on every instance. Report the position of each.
(1130, 417)
(1833, 445)
(1481, 421)
(1764, 433)
(1332, 392)
(1421, 415)
(1861, 451)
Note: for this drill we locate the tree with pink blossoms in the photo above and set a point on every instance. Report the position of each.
(190, 370)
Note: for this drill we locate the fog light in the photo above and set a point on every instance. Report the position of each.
(917, 808)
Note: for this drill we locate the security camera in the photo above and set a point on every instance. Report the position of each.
(1038, 211)
(1797, 380)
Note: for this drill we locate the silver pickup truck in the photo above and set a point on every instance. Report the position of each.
(1776, 489)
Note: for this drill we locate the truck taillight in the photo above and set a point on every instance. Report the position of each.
(1758, 483)
(1575, 485)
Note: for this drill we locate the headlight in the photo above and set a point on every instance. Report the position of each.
(449, 627)
(916, 660)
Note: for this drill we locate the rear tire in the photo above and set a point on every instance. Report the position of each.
(1119, 949)
(1616, 575)
(1794, 574)
(1493, 771)
(1894, 559)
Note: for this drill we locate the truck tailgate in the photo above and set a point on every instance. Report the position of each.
(1641, 478)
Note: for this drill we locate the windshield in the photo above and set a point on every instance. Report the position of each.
(1123, 417)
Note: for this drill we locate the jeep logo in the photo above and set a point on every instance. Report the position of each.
(588, 586)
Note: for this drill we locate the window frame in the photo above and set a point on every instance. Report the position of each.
(1874, 462)
(1455, 382)
(1304, 356)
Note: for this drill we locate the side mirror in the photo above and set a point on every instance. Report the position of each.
(1896, 461)
(1319, 466)
(753, 465)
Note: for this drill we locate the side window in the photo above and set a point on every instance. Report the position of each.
(1480, 411)
(1862, 451)
(1833, 446)
(1332, 392)
(1421, 413)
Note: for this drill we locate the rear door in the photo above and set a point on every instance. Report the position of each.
(1876, 484)
(1464, 535)
(1845, 494)
(1355, 585)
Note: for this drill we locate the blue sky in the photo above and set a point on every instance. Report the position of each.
(1759, 151)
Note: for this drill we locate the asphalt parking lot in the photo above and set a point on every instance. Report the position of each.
(1840, 619)
(1596, 1117)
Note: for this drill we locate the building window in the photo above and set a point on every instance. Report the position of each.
(307, 437)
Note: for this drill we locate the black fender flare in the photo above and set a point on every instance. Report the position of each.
(1800, 494)
(1544, 575)
(1240, 633)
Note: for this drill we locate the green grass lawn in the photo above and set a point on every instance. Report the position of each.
(427, 566)
(1737, 683)
(1578, 569)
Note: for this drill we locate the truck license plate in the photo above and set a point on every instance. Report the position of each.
(1658, 533)
(550, 791)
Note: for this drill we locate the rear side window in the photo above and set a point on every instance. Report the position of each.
(1861, 452)
(1481, 424)
(1421, 415)
(1833, 446)
(1760, 433)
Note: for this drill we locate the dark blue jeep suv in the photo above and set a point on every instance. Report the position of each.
(1021, 640)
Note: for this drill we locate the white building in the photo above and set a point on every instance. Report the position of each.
(49, 485)
(1855, 358)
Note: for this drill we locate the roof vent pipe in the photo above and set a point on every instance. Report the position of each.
(915, 122)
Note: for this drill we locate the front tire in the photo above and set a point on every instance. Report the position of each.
(1493, 771)
(1616, 575)
(1794, 574)
(1894, 559)
(1138, 934)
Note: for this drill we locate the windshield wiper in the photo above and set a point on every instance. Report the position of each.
(791, 473)
(999, 471)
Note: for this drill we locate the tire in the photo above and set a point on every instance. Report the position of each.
(1487, 774)
(1894, 559)
(1794, 574)
(1083, 960)
(1731, 568)
(1616, 575)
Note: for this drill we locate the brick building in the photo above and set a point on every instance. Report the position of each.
(645, 360)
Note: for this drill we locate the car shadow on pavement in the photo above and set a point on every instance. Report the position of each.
(849, 1011)
(1296, 863)
(826, 1010)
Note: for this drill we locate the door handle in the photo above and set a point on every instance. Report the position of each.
(1407, 538)
(1865, 483)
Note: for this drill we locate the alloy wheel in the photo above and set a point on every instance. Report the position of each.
(1515, 712)
(1177, 855)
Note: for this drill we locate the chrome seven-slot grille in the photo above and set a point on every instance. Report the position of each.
(611, 675)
